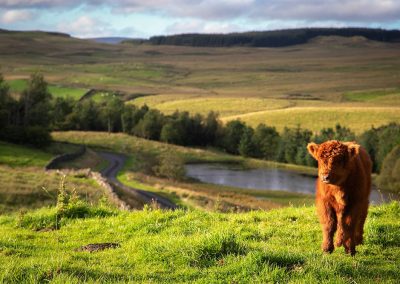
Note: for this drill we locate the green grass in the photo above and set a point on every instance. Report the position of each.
(225, 106)
(373, 95)
(18, 85)
(32, 187)
(67, 92)
(279, 246)
(21, 156)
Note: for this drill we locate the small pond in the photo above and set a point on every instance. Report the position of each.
(263, 179)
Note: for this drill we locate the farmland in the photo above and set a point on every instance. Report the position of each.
(345, 79)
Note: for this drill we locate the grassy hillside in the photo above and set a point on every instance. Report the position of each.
(25, 185)
(280, 246)
(340, 77)
(17, 156)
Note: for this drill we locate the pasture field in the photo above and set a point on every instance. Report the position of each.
(19, 156)
(341, 76)
(18, 85)
(359, 119)
(279, 246)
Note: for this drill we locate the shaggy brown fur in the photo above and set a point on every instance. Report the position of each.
(343, 188)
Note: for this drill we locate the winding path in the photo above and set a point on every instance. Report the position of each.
(115, 164)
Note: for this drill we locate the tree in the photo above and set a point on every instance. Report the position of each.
(150, 125)
(36, 100)
(370, 141)
(267, 142)
(294, 142)
(127, 121)
(389, 178)
(61, 108)
(232, 134)
(111, 114)
(246, 146)
(5, 101)
(172, 133)
(210, 129)
(84, 116)
(380, 141)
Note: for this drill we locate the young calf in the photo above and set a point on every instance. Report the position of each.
(343, 188)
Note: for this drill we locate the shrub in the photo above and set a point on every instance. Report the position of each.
(171, 167)
(389, 178)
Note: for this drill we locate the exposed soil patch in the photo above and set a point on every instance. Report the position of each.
(98, 247)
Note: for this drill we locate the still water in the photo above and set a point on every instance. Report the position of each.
(263, 179)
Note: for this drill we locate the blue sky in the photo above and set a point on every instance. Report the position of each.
(135, 18)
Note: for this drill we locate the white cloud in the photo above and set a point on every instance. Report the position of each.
(88, 27)
(83, 26)
(199, 26)
(13, 16)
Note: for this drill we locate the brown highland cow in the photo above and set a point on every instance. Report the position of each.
(343, 188)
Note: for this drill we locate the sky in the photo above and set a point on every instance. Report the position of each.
(145, 18)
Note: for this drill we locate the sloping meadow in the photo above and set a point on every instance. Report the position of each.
(192, 246)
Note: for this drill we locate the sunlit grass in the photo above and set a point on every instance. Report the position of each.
(358, 119)
(280, 246)
(19, 85)
(225, 106)
(17, 156)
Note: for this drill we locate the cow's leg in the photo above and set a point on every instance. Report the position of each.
(328, 222)
(363, 211)
(340, 230)
(347, 225)
(350, 226)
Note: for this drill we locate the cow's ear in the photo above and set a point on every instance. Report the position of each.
(353, 150)
(313, 149)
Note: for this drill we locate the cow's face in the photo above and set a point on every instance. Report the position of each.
(334, 160)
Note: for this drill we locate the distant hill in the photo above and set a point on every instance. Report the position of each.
(34, 33)
(277, 38)
(109, 40)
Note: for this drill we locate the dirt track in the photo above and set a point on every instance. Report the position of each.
(116, 162)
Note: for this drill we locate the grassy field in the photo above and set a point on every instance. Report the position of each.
(359, 119)
(18, 156)
(345, 78)
(24, 184)
(18, 85)
(279, 246)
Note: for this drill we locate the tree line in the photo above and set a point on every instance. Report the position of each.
(277, 38)
(30, 117)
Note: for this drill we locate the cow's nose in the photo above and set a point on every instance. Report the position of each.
(325, 178)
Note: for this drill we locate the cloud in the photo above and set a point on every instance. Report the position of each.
(308, 10)
(13, 16)
(198, 26)
(88, 27)
(37, 4)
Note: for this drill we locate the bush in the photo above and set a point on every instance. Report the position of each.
(389, 178)
(171, 167)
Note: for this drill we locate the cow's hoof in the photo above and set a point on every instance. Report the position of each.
(328, 249)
